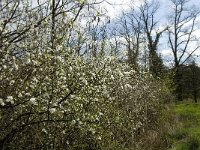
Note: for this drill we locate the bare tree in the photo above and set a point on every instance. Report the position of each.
(114, 42)
(147, 13)
(181, 37)
(131, 31)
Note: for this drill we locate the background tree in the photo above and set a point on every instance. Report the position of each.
(190, 81)
(131, 31)
(147, 13)
(182, 37)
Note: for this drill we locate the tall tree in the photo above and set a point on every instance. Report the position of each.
(148, 11)
(181, 36)
(131, 31)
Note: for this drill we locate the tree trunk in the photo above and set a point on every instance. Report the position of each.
(177, 81)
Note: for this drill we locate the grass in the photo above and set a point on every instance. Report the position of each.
(187, 134)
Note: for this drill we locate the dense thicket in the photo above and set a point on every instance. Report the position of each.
(76, 104)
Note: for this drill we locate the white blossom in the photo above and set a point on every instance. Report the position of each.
(72, 96)
(85, 82)
(44, 130)
(2, 102)
(28, 60)
(10, 99)
(12, 82)
(100, 114)
(33, 101)
(27, 94)
(112, 77)
(52, 110)
(59, 58)
(20, 95)
(15, 66)
(73, 122)
(127, 73)
(128, 86)
(70, 68)
(4, 66)
(6, 56)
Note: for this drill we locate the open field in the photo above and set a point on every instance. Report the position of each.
(187, 134)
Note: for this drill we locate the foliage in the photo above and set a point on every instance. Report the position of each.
(190, 82)
(75, 102)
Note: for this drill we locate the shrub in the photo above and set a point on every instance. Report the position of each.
(75, 103)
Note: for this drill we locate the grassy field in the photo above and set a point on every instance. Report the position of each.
(186, 136)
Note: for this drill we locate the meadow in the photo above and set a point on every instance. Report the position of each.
(187, 134)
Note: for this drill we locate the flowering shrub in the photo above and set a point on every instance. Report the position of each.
(65, 101)
(51, 98)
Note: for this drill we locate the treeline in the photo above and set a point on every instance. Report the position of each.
(190, 82)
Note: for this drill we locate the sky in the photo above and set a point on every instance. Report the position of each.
(115, 8)
(119, 6)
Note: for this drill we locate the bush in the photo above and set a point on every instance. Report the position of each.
(76, 103)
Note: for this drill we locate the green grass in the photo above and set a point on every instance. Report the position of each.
(187, 134)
